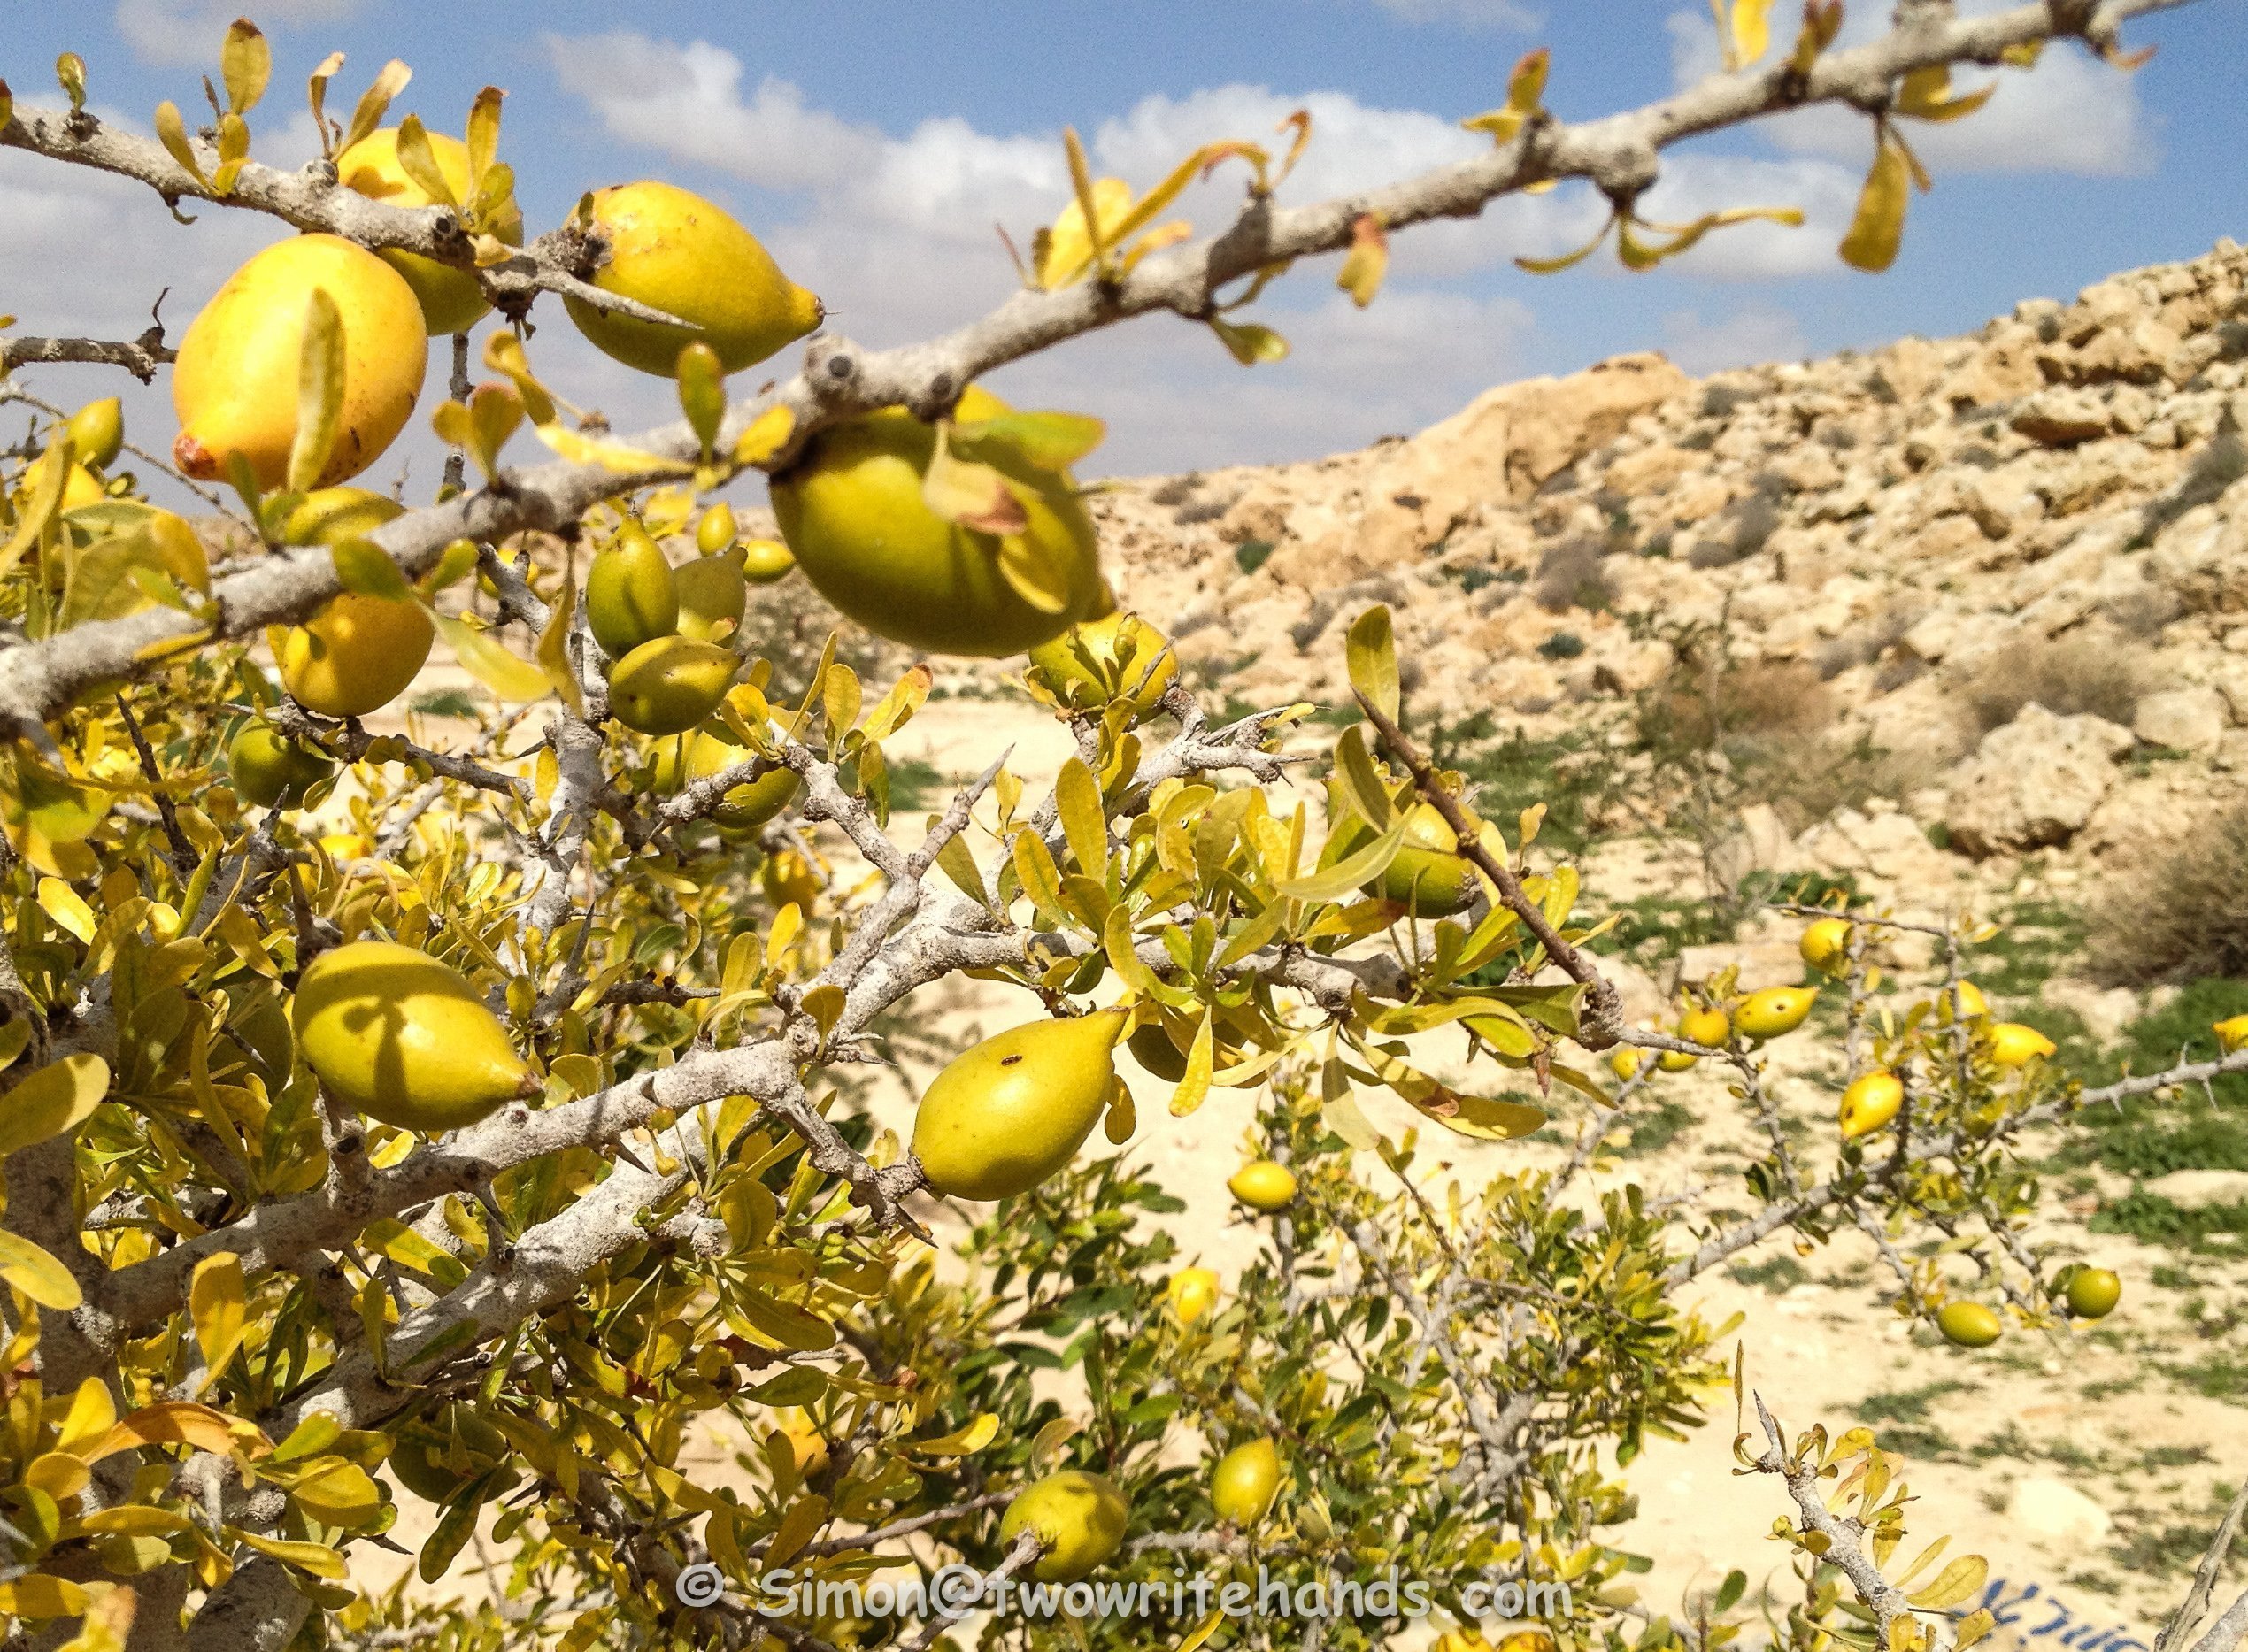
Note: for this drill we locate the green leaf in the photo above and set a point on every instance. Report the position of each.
(1250, 342)
(1044, 441)
(792, 1327)
(1360, 783)
(319, 392)
(367, 568)
(172, 132)
(59, 1096)
(506, 675)
(315, 1434)
(1372, 653)
(454, 1528)
(1351, 871)
(1878, 229)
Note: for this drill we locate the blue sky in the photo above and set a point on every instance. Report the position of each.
(873, 143)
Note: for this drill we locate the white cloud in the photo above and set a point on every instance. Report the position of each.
(1743, 339)
(2071, 114)
(1478, 15)
(190, 31)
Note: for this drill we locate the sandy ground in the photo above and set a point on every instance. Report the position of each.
(2047, 1453)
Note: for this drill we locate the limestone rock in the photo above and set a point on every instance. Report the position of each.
(2060, 418)
(2050, 1508)
(2034, 782)
(2185, 719)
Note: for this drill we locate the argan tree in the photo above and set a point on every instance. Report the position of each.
(481, 1121)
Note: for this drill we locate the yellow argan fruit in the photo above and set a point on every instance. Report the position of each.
(676, 252)
(81, 487)
(711, 596)
(1127, 656)
(1079, 1516)
(2093, 1292)
(668, 686)
(2232, 1033)
(1698, 1026)
(421, 1459)
(765, 560)
(1971, 1004)
(1245, 1481)
(1527, 1640)
(1871, 1102)
(98, 432)
(748, 806)
(1011, 1111)
(1192, 1292)
(2014, 1045)
(1265, 1185)
(403, 1038)
(356, 655)
(234, 384)
(806, 1443)
(1426, 876)
(1825, 946)
(630, 597)
(852, 513)
(1775, 1011)
(791, 879)
(268, 766)
(1461, 1641)
(328, 516)
(450, 300)
(1968, 1324)
(348, 846)
(1626, 1062)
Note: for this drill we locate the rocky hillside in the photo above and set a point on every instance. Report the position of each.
(1977, 597)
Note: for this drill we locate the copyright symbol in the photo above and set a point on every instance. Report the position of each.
(956, 1590)
(700, 1585)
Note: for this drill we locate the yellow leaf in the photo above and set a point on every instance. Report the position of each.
(1077, 798)
(1962, 1578)
(1352, 870)
(1751, 31)
(554, 645)
(317, 1558)
(39, 1596)
(245, 62)
(1032, 575)
(39, 498)
(180, 1423)
(767, 433)
(319, 391)
(91, 1413)
(1193, 1084)
(338, 1492)
(961, 1442)
(505, 674)
(172, 132)
(216, 1304)
(1367, 261)
(134, 1520)
(1925, 95)
(1974, 1627)
(59, 1096)
(614, 456)
(36, 1274)
(376, 102)
(1878, 229)
(58, 1473)
(1250, 342)
(503, 354)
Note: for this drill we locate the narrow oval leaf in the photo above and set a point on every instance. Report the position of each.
(36, 1274)
(1878, 229)
(60, 1096)
(319, 391)
(363, 566)
(217, 1305)
(482, 657)
(246, 63)
(1372, 654)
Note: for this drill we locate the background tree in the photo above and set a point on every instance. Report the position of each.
(488, 1144)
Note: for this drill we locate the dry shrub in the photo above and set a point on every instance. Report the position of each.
(2180, 916)
(1807, 779)
(1569, 575)
(2080, 672)
(1700, 708)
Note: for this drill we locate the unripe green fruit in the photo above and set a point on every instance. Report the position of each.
(403, 1038)
(97, 432)
(2093, 1292)
(1265, 1185)
(1142, 665)
(765, 560)
(1245, 1482)
(630, 597)
(668, 686)
(711, 596)
(420, 1460)
(853, 514)
(717, 531)
(268, 766)
(1775, 1011)
(1008, 1113)
(1427, 876)
(1079, 1516)
(1968, 1324)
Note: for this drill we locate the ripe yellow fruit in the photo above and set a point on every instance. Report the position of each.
(1825, 946)
(629, 596)
(2093, 1292)
(421, 1459)
(98, 432)
(668, 686)
(234, 384)
(1462, 1640)
(2014, 1045)
(747, 806)
(1871, 1102)
(1698, 1026)
(806, 1443)
(450, 300)
(356, 655)
(2232, 1033)
(1245, 1481)
(1139, 664)
(765, 560)
(1265, 1185)
(852, 513)
(1079, 1516)
(266, 766)
(1427, 876)
(1775, 1011)
(676, 252)
(1968, 1324)
(1011, 1111)
(1192, 1292)
(711, 596)
(1625, 1062)
(328, 516)
(791, 879)
(1969, 1004)
(403, 1038)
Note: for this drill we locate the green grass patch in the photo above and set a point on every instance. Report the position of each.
(1775, 1273)
(2152, 1219)
(1652, 1133)
(2149, 1136)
